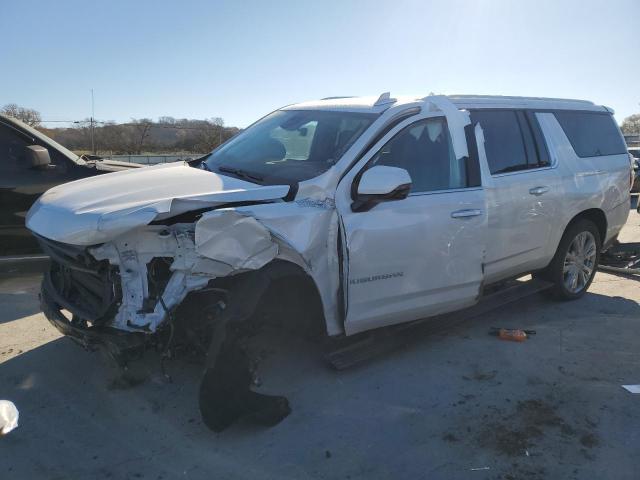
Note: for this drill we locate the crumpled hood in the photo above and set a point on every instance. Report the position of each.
(96, 209)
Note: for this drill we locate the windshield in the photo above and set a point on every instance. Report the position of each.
(289, 146)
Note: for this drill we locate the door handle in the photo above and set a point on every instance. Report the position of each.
(471, 212)
(538, 190)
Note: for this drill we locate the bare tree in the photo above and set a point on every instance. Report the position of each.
(631, 125)
(141, 127)
(142, 135)
(27, 115)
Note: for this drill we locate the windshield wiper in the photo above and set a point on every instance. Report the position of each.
(240, 173)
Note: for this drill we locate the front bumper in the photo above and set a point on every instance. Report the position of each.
(116, 342)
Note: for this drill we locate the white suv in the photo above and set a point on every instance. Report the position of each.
(359, 212)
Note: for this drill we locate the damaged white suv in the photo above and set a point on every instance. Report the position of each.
(355, 212)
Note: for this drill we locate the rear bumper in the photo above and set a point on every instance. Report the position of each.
(115, 342)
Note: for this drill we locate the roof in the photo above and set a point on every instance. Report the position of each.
(348, 104)
(375, 105)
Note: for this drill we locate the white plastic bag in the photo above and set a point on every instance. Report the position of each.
(8, 416)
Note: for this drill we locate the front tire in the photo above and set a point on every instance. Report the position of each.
(575, 263)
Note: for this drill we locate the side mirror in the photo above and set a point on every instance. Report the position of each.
(38, 157)
(381, 184)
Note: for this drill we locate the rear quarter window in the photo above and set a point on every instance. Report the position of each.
(591, 134)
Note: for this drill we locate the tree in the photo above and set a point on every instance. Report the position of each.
(141, 127)
(631, 125)
(167, 135)
(27, 115)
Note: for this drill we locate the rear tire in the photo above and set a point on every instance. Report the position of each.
(575, 263)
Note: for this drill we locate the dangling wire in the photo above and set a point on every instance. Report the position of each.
(166, 351)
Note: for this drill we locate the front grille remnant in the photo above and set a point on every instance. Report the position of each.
(89, 289)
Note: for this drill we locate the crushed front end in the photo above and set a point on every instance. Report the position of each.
(178, 259)
(130, 294)
(90, 291)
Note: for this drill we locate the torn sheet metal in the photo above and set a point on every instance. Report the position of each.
(132, 253)
(456, 119)
(307, 233)
(221, 243)
(236, 240)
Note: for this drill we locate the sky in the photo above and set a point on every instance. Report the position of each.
(242, 59)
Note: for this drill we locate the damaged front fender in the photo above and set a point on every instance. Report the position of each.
(221, 243)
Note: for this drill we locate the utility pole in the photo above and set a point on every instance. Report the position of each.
(93, 145)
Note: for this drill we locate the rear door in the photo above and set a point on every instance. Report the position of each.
(524, 192)
(422, 255)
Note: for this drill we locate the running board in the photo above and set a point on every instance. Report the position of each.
(388, 339)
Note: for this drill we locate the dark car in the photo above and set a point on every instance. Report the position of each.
(635, 153)
(30, 164)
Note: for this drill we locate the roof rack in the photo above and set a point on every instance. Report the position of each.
(338, 98)
(507, 97)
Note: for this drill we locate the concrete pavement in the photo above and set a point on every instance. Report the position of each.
(456, 405)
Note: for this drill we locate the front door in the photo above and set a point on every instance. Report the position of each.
(422, 255)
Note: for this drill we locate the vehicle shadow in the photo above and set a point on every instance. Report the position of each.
(72, 401)
(18, 302)
(68, 401)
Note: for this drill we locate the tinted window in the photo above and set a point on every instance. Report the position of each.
(12, 148)
(503, 140)
(424, 149)
(591, 134)
(542, 152)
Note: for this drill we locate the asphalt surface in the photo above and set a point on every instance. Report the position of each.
(459, 404)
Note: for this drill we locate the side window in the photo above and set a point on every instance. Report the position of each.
(503, 140)
(542, 152)
(591, 134)
(424, 149)
(12, 149)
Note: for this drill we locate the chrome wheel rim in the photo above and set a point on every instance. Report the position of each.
(579, 262)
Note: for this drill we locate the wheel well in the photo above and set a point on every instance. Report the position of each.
(597, 216)
(279, 293)
(292, 301)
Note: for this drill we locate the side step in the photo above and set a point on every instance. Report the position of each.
(388, 339)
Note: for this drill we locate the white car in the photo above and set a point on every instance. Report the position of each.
(358, 213)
